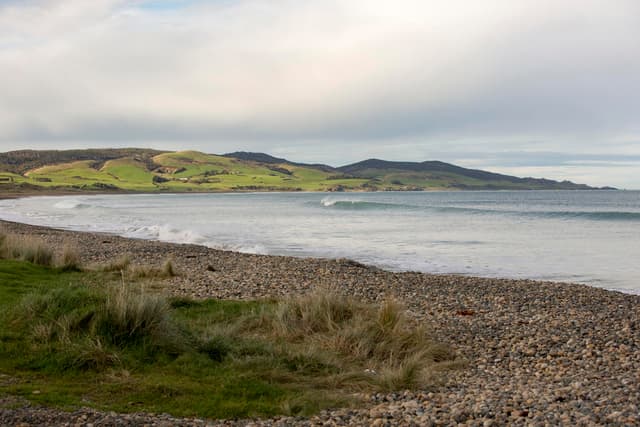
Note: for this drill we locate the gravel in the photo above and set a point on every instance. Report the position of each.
(539, 353)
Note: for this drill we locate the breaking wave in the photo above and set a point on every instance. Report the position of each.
(359, 205)
(169, 233)
(363, 205)
(71, 204)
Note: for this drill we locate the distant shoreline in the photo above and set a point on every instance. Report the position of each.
(66, 192)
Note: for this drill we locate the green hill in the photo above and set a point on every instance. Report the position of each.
(144, 170)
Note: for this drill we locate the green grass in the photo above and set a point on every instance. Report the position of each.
(179, 172)
(74, 339)
(129, 173)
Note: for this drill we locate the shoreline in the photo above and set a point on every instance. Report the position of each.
(629, 291)
(538, 352)
(47, 192)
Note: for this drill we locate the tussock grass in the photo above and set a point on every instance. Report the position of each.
(124, 265)
(37, 251)
(69, 259)
(131, 316)
(121, 263)
(166, 270)
(375, 345)
(26, 248)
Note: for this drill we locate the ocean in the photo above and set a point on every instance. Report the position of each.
(590, 237)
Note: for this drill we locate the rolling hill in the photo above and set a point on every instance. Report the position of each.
(144, 170)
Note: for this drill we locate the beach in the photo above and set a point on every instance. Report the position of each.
(537, 353)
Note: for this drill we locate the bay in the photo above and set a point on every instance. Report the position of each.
(590, 237)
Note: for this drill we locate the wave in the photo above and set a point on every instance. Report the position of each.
(358, 205)
(563, 215)
(363, 205)
(71, 204)
(595, 215)
(169, 233)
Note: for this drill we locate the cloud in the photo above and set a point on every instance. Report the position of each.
(430, 76)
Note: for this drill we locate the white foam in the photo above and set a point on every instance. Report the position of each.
(330, 201)
(167, 233)
(70, 204)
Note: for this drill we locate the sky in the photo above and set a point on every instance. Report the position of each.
(541, 88)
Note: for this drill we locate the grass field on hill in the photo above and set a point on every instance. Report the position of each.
(180, 172)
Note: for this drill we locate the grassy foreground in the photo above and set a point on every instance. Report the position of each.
(99, 338)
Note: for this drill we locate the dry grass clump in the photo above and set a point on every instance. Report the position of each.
(318, 312)
(130, 314)
(152, 272)
(37, 251)
(369, 344)
(69, 259)
(121, 263)
(124, 265)
(26, 248)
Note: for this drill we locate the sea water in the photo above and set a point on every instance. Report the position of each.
(590, 237)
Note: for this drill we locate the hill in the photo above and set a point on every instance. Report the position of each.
(23, 160)
(145, 170)
(440, 174)
(266, 158)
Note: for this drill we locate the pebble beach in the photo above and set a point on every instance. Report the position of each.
(537, 353)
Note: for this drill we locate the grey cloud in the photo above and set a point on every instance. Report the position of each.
(491, 80)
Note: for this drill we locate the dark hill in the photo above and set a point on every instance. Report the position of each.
(268, 159)
(379, 169)
(24, 160)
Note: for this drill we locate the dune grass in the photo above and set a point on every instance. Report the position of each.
(93, 338)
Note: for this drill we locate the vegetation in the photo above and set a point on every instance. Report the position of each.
(150, 171)
(36, 251)
(100, 338)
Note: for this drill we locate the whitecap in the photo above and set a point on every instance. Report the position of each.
(70, 204)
